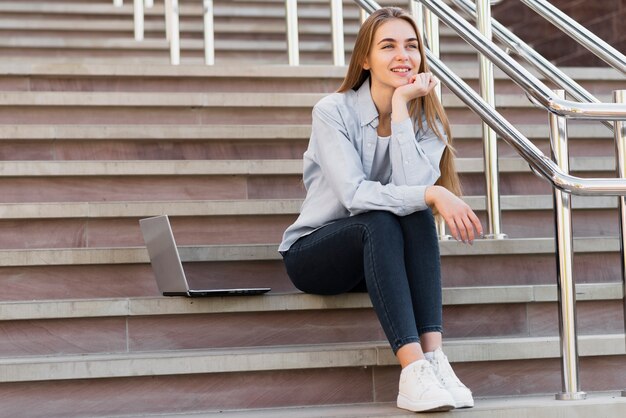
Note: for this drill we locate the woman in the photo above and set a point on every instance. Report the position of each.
(378, 159)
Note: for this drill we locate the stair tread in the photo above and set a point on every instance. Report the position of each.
(157, 305)
(248, 252)
(242, 167)
(286, 357)
(465, 71)
(537, 406)
(235, 132)
(173, 99)
(124, 209)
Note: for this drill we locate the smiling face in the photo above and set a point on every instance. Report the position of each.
(393, 56)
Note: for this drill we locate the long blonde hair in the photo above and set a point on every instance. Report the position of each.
(433, 109)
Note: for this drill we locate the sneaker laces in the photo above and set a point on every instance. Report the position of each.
(445, 372)
(426, 375)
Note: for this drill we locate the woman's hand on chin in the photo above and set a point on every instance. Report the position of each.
(419, 85)
(463, 223)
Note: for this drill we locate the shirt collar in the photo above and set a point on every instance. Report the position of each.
(367, 109)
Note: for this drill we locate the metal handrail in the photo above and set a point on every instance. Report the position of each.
(524, 51)
(539, 162)
(522, 77)
(558, 175)
(575, 30)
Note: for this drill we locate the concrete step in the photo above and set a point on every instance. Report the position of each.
(609, 404)
(103, 210)
(192, 50)
(242, 167)
(122, 325)
(79, 273)
(24, 76)
(283, 302)
(241, 252)
(80, 181)
(206, 108)
(285, 358)
(255, 221)
(232, 142)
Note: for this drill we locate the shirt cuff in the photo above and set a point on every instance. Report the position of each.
(413, 198)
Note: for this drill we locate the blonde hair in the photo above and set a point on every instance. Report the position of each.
(433, 109)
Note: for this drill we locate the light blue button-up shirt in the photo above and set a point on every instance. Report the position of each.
(338, 164)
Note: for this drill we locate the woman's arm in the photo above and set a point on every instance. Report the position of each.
(461, 219)
(343, 170)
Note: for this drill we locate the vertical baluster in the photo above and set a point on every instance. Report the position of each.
(148, 3)
(209, 33)
(363, 15)
(429, 24)
(138, 18)
(490, 144)
(174, 33)
(291, 13)
(168, 19)
(417, 11)
(565, 252)
(619, 96)
(118, 3)
(336, 12)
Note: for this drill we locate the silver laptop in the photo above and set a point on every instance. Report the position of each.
(167, 267)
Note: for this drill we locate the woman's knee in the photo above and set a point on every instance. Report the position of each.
(381, 224)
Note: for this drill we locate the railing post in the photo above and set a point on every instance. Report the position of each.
(490, 141)
(174, 33)
(417, 11)
(619, 96)
(168, 19)
(209, 33)
(430, 24)
(565, 252)
(363, 15)
(138, 18)
(336, 17)
(118, 3)
(291, 13)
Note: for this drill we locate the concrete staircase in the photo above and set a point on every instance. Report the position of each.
(97, 131)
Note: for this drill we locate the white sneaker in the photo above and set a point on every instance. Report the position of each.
(420, 389)
(461, 394)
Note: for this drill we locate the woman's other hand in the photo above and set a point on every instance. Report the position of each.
(463, 223)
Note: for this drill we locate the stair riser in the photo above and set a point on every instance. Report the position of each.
(216, 84)
(151, 188)
(132, 280)
(235, 149)
(153, 149)
(260, 329)
(83, 115)
(187, 393)
(251, 229)
(162, 55)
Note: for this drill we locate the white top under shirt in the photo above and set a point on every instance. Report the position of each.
(381, 168)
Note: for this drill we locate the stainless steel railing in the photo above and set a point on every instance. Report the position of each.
(563, 183)
(535, 89)
(520, 48)
(582, 35)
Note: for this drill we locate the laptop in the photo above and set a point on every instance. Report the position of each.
(167, 267)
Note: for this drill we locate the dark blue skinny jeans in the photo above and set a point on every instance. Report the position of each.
(394, 258)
